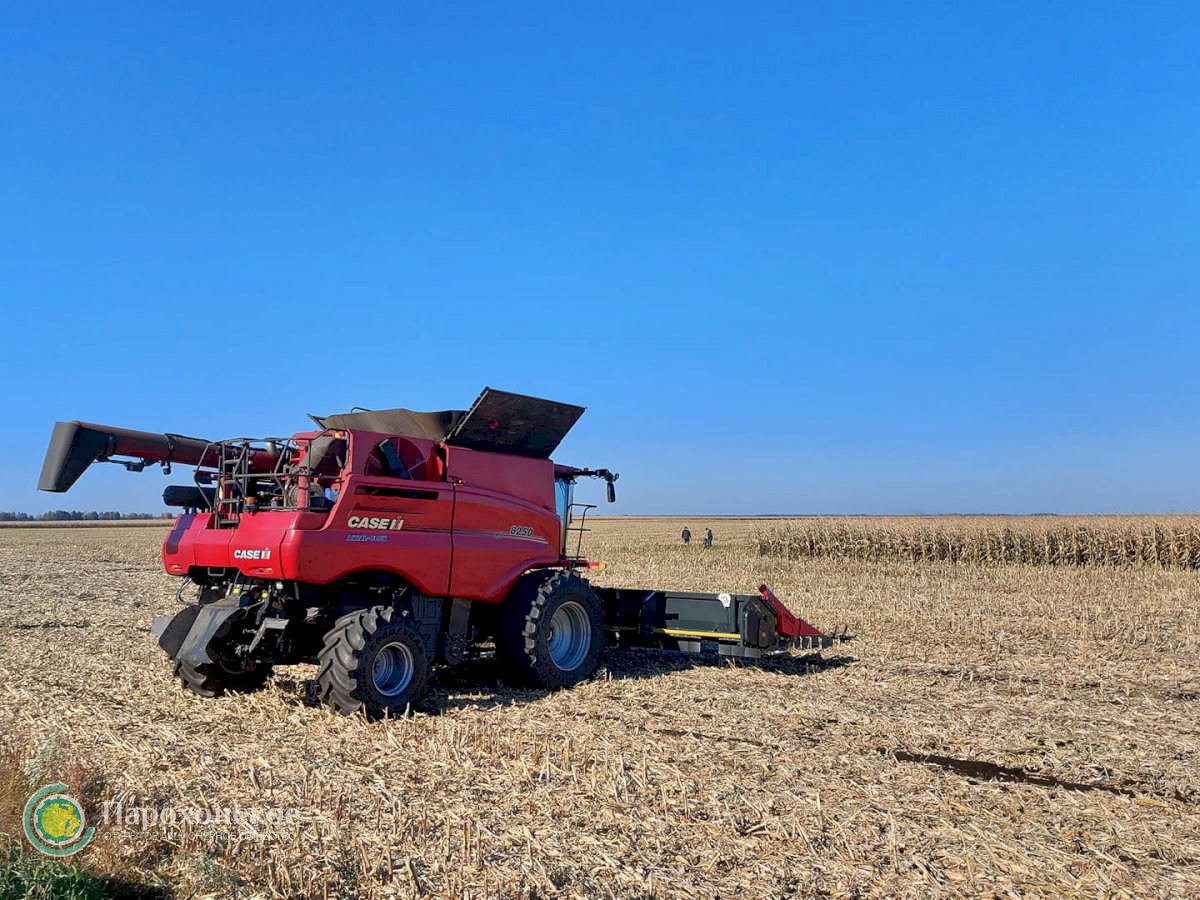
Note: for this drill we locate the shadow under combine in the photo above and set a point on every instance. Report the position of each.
(485, 681)
(484, 684)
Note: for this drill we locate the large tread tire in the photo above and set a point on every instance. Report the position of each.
(347, 663)
(210, 680)
(526, 630)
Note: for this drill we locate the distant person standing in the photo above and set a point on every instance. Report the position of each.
(708, 539)
(687, 535)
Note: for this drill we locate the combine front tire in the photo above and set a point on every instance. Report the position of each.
(373, 661)
(554, 630)
(210, 680)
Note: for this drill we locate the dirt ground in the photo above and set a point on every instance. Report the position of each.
(1010, 731)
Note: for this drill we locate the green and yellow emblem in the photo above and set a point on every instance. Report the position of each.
(54, 822)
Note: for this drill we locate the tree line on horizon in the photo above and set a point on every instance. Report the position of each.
(75, 515)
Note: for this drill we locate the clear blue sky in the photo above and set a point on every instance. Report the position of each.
(793, 257)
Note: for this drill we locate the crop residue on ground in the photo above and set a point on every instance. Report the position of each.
(993, 729)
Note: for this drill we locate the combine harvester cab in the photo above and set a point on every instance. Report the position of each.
(388, 542)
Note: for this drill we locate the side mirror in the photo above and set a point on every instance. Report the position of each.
(612, 493)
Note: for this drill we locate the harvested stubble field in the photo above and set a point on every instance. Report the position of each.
(993, 730)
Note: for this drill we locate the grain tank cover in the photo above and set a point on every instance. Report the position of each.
(432, 426)
(500, 422)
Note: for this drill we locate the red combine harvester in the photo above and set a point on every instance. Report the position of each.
(387, 542)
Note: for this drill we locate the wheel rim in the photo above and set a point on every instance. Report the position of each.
(393, 669)
(570, 636)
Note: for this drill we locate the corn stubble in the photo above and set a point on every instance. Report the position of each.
(994, 730)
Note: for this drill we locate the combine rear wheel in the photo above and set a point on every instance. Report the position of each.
(373, 661)
(212, 680)
(553, 629)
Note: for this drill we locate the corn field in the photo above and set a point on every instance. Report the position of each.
(1099, 541)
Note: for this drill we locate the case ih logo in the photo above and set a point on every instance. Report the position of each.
(264, 553)
(375, 523)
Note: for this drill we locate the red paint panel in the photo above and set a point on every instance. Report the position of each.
(407, 535)
(517, 478)
(199, 544)
(254, 545)
(496, 538)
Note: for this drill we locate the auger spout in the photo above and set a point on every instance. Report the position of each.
(76, 445)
